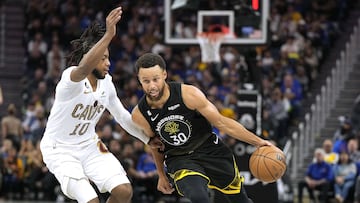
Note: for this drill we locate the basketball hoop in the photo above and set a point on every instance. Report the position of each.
(210, 43)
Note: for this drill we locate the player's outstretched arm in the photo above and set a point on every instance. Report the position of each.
(94, 55)
(164, 185)
(123, 117)
(196, 100)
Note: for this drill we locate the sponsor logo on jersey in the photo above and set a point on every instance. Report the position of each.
(173, 107)
(174, 130)
(154, 118)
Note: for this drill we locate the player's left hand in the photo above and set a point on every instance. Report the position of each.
(164, 186)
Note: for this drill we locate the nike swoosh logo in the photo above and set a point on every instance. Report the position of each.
(87, 92)
(154, 118)
(217, 140)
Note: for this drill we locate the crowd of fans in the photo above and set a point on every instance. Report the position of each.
(335, 170)
(302, 32)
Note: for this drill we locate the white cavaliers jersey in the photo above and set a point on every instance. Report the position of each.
(77, 108)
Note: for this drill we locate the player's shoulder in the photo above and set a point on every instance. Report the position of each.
(68, 70)
(189, 88)
(65, 77)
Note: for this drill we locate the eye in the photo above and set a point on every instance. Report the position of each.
(146, 81)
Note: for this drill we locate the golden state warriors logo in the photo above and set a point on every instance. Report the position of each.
(174, 130)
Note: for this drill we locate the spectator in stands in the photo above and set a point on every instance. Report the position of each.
(147, 174)
(31, 84)
(6, 145)
(344, 177)
(342, 135)
(38, 178)
(318, 176)
(36, 59)
(38, 42)
(11, 126)
(34, 126)
(344, 130)
(353, 150)
(266, 63)
(291, 50)
(279, 107)
(55, 58)
(330, 156)
(13, 175)
(292, 90)
(106, 134)
(268, 125)
(302, 77)
(115, 148)
(311, 61)
(128, 160)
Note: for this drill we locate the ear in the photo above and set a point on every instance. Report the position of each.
(165, 74)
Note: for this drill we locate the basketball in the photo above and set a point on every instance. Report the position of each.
(267, 163)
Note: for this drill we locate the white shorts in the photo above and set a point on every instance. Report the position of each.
(89, 160)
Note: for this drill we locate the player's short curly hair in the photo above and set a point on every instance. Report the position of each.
(149, 60)
(81, 46)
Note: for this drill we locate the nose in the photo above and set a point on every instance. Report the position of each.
(107, 62)
(152, 85)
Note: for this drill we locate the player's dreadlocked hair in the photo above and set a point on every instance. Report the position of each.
(81, 46)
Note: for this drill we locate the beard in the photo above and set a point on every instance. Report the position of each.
(158, 97)
(97, 74)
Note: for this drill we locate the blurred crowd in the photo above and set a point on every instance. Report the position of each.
(283, 70)
(334, 171)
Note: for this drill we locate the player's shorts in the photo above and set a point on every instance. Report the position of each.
(90, 160)
(214, 161)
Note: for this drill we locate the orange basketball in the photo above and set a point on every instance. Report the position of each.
(267, 163)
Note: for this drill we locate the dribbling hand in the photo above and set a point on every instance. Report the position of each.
(111, 20)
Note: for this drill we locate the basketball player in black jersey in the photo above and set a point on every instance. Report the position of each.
(182, 117)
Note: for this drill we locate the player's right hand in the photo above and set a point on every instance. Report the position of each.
(164, 186)
(111, 20)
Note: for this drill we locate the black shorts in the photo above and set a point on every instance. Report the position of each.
(214, 161)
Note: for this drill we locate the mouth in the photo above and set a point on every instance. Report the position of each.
(154, 93)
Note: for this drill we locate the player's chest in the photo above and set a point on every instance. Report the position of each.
(97, 97)
(173, 126)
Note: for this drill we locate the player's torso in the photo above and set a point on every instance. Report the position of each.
(181, 129)
(74, 120)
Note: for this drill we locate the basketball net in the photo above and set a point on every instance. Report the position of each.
(210, 43)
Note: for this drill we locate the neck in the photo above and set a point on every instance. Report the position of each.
(93, 81)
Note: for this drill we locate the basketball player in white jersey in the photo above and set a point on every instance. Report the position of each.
(70, 146)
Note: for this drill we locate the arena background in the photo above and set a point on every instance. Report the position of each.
(313, 42)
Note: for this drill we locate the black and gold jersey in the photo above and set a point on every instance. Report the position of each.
(181, 129)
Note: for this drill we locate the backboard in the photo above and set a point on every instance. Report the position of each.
(247, 20)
